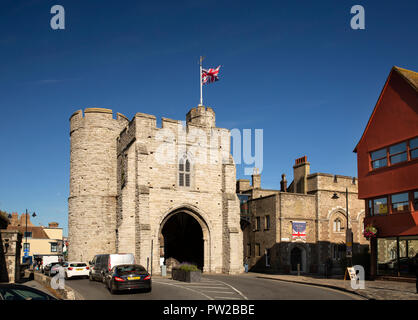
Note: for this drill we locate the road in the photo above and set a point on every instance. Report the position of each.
(213, 287)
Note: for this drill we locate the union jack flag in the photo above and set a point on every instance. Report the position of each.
(210, 75)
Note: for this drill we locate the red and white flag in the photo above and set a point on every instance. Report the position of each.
(210, 75)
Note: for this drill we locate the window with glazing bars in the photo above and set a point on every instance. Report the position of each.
(413, 148)
(184, 172)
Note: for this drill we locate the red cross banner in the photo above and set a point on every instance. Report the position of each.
(299, 231)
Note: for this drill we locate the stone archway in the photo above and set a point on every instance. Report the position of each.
(184, 236)
(298, 256)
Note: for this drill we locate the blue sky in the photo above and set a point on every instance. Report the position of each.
(292, 68)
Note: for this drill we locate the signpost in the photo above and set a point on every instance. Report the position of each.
(349, 246)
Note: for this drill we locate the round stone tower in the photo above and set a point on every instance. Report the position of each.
(93, 182)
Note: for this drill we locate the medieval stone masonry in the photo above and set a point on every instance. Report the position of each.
(158, 193)
(318, 202)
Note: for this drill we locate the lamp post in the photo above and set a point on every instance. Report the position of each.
(26, 231)
(348, 237)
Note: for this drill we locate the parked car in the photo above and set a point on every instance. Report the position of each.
(48, 260)
(49, 269)
(55, 268)
(104, 263)
(21, 292)
(128, 277)
(76, 269)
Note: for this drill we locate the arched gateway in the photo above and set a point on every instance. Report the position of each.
(156, 192)
(184, 236)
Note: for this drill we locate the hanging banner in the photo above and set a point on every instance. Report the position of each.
(299, 231)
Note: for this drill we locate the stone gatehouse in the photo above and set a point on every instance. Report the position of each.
(317, 202)
(157, 192)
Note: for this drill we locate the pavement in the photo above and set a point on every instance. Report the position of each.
(373, 290)
(36, 285)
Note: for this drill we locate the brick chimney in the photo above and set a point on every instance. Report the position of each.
(53, 225)
(14, 221)
(301, 170)
(22, 221)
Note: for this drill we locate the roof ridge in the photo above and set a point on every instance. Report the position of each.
(409, 76)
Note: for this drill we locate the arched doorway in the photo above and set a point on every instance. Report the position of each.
(296, 258)
(183, 239)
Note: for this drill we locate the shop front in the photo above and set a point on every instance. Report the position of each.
(395, 256)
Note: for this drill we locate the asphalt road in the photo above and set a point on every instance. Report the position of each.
(213, 287)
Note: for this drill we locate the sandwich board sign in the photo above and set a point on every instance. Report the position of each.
(357, 279)
(351, 273)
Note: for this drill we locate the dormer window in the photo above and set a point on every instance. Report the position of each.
(184, 172)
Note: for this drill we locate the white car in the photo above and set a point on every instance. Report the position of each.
(76, 269)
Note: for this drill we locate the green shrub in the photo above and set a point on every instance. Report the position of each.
(187, 267)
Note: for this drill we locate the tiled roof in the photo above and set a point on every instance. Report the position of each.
(37, 232)
(409, 76)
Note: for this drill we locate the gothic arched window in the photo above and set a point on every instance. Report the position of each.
(184, 172)
(337, 225)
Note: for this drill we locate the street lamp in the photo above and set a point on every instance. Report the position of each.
(348, 237)
(26, 230)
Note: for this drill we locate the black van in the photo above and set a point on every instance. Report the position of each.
(103, 263)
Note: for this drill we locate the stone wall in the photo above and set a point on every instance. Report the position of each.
(125, 183)
(318, 209)
(10, 247)
(92, 200)
(149, 190)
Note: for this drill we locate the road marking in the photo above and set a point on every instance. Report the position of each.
(206, 287)
(170, 284)
(227, 298)
(221, 292)
(204, 284)
(236, 290)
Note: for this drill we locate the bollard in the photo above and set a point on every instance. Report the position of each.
(298, 269)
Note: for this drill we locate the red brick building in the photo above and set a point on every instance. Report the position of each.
(387, 159)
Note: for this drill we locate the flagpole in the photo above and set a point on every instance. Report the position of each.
(201, 91)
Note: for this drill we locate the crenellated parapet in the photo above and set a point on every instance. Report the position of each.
(126, 178)
(201, 116)
(97, 117)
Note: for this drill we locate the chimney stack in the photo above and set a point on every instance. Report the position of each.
(243, 185)
(301, 170)
(283, 183)
(256, 179)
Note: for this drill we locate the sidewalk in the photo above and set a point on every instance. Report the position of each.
(41, 282)
(375, 290)
(36, 285)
